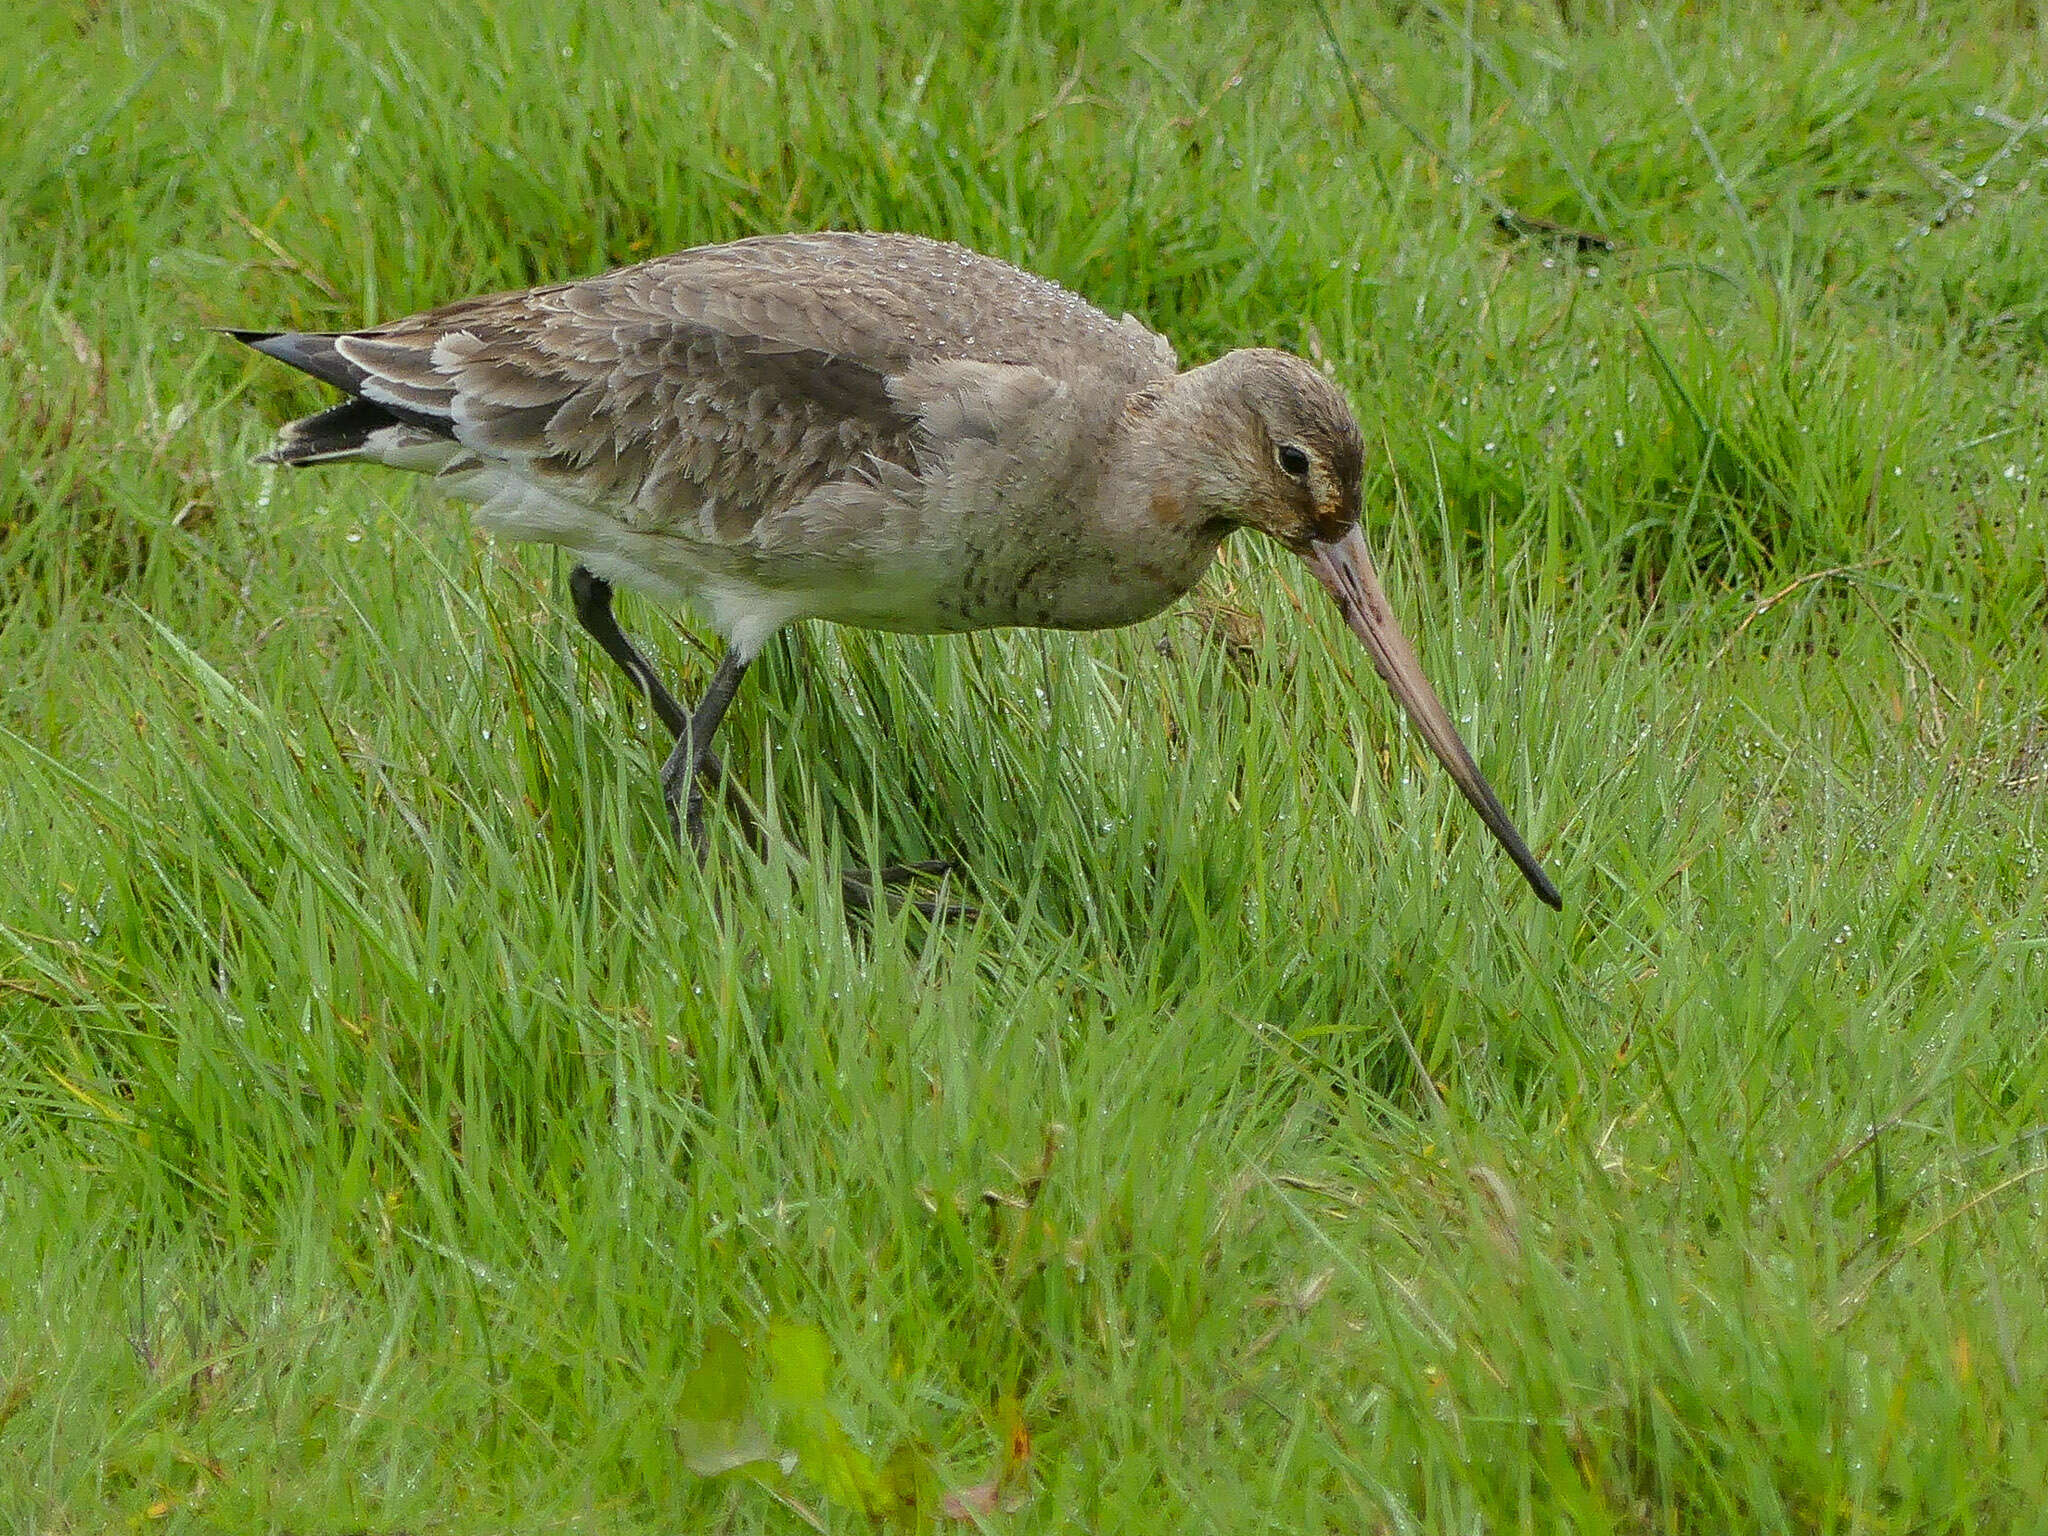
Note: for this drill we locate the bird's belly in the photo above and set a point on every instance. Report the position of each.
(948, 597)
(513, 506)
(904, 599)
(1077, 585)
(935, 586)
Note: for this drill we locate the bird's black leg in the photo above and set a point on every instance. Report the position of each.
(593, 598)
(692, 763)
(592, 595)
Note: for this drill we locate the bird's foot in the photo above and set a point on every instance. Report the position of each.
(863, 888)
(684, 798)
(863, 891)
(683, 788)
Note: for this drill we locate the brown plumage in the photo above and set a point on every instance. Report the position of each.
(875, 429)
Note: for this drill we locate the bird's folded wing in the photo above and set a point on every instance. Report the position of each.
(706, 392)
(624, 394)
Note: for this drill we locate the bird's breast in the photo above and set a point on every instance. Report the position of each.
(1079, 579)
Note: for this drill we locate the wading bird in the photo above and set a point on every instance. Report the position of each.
(874, 429)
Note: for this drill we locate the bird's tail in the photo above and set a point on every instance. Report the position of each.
(357, 431)
(338, 435)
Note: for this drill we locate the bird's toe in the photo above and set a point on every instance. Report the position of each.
(864, 890)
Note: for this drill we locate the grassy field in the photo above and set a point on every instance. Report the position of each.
(396, 1134)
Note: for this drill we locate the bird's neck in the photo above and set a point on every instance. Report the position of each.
(1171, 460)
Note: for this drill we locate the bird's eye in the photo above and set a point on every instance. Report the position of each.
(1293, 461)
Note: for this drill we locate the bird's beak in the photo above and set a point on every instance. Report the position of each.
(1346, 569)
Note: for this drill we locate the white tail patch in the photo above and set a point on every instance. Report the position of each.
(404, 447)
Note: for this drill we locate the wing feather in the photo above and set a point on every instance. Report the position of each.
(708, 392)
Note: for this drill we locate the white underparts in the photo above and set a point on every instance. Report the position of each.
(661, 565)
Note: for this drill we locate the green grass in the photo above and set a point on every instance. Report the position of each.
(391, 1123)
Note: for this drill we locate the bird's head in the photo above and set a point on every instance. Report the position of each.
(1289, 457)
(1282, 453)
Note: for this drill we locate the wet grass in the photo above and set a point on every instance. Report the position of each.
(392, 1126)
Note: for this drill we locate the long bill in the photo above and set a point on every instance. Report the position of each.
(1346, 569)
